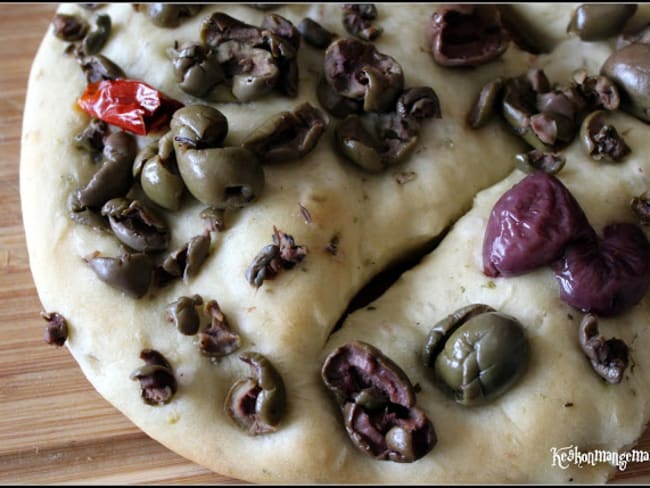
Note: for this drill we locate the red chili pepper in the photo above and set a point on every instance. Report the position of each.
(130, 105)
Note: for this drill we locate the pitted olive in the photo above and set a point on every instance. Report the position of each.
(198, 126)
(629, 68)
(601, 140)
(228, 177)
(156, 167)
(477, 354)
(593, 22)
(258, 404)
(136, 225)
(196, 68)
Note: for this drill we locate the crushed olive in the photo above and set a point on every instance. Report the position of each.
(282, 27)
(98, 67)
(594, 22)
(376, 141)
(288, 135)
(196, 68)
(168, 14)
(214, 219)
(315, 34)
(136, 225)
(550, 163)
(130, 273)
(187, 259)
(182, 313)
(358, 20)
(97, 37)
(113, 178)
(377, 401)
(607, 275)
(467, 35)
(477, 353)
(157, 382)
(282, 254)
(218, 339)
(258, 404)
(608, 357)
(69, 28)
(356, 70)
(629, 69)
(641, 207)
(601, 140)
(598, 91)
(639, 35)
(91, 139)
(56, 329)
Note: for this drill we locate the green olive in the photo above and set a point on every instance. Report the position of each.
(198, 126)
(477, 354)
(161, 186)
(228, 177)
(600, 140)
(593, 22)
(197, 69)
(629, 68)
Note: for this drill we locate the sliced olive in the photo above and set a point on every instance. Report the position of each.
(629, 68)
(288, 135)
(218, 339)
(113, 179)
(593, 22)
(130, 273)
(187, 259)
(258, 404)
(157, 382)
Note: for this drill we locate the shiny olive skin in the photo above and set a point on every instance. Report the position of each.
(158, 173)
(264, 414)
(182, 312)
(198, 126)
(130, 273)
(483, 357)
(594, 22)
(168, 14)
(228, 177)
(484, 107)
(629, 68)
(196, 68)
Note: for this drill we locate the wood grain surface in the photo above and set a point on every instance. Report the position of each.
(54, 427)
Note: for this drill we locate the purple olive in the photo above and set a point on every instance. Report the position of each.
(606, 276)
(530, 225)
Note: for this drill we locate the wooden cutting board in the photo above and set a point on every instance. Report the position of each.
(54, 427)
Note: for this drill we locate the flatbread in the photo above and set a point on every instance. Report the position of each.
(377, 221)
